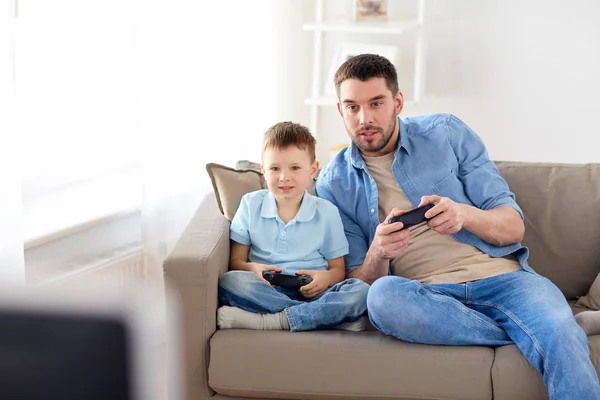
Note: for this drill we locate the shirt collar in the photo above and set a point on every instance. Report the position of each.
(306, 212)
(356, 159)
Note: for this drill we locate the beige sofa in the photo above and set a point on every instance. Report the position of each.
(562, 208)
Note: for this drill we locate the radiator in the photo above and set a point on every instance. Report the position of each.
(120, 270)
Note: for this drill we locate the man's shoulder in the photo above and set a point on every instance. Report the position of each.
(325, 206)
(419, 125)
(338, 166)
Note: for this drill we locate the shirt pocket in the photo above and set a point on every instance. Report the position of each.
(450, 187)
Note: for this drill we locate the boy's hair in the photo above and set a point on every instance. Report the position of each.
(286, 134)
(364, 67)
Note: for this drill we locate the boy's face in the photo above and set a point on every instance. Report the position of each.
(288, 171)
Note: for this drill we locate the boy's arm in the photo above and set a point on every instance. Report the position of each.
(238, 258)
(241, 241)
(336, 270)
(322, 280)
(333, 249)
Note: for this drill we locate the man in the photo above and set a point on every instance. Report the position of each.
(462, 278)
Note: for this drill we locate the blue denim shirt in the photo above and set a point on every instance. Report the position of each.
(436, 154)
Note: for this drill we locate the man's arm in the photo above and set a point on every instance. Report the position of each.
(390, 241)
(499, 226)
(373, 267)
(496, 217)
(368, 262)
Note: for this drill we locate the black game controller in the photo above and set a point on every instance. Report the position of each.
(286, 281)
(413, 217)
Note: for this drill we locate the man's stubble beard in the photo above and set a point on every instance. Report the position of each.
(374, 147)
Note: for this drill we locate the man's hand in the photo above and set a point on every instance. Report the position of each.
(321, 280)
(390, 241)
(447, 217)
(259, 268)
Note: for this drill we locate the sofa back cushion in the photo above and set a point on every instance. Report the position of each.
(561, 203)
(231, 184)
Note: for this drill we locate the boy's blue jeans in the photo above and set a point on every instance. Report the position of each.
(343, 302)
(518, 307)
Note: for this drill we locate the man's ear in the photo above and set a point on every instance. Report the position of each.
(399, 102)
(339, 107)
(314, 170)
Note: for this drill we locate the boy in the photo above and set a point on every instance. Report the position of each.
(286, 229)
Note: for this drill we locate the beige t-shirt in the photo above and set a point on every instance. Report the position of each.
(431, 257)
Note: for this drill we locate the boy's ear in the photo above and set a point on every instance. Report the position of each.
(262, 168)
(314, 170)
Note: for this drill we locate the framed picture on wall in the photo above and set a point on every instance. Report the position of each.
(348, 50)
(370, 10)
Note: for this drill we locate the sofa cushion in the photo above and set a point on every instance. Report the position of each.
(592, 299)
(344, 365)
(231, 184)
(561, 203)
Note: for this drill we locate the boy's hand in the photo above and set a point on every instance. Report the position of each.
(320, 283)
(259, 268)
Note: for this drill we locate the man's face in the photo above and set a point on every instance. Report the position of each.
(288, 172)
(370, 114)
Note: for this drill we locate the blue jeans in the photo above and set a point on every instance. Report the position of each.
(519, 307)
(343, 302)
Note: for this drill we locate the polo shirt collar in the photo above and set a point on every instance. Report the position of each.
(307, 210)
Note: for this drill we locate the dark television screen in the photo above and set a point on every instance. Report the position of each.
(58, 356)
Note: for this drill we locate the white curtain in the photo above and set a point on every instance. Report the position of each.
(212, 84)
(11, 240)
(174, 84)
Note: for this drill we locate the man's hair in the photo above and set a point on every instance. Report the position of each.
(285, 134)
(364, 67)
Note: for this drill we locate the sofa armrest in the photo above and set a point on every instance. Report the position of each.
(192, 271)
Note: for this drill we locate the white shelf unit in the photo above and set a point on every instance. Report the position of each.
(320, 26)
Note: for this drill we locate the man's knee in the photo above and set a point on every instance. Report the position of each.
(387, 291)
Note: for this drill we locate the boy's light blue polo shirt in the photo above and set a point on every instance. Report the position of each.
(314, 236)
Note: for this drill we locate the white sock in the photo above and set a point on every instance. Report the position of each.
(236, 318)
(357, 326)
(589, 322)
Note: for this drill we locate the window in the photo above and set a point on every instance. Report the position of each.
(75, 84)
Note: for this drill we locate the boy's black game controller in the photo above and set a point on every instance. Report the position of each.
(413, 217)
(286, 281)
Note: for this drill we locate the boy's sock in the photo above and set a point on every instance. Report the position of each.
(356, 326)
(236, 318)
(589, 321)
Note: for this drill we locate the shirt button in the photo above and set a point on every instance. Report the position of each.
(372, 210)
(283, 233)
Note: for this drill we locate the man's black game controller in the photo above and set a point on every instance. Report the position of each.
(286, 281)
(412, 217)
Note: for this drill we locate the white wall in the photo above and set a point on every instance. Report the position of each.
(524, 74)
